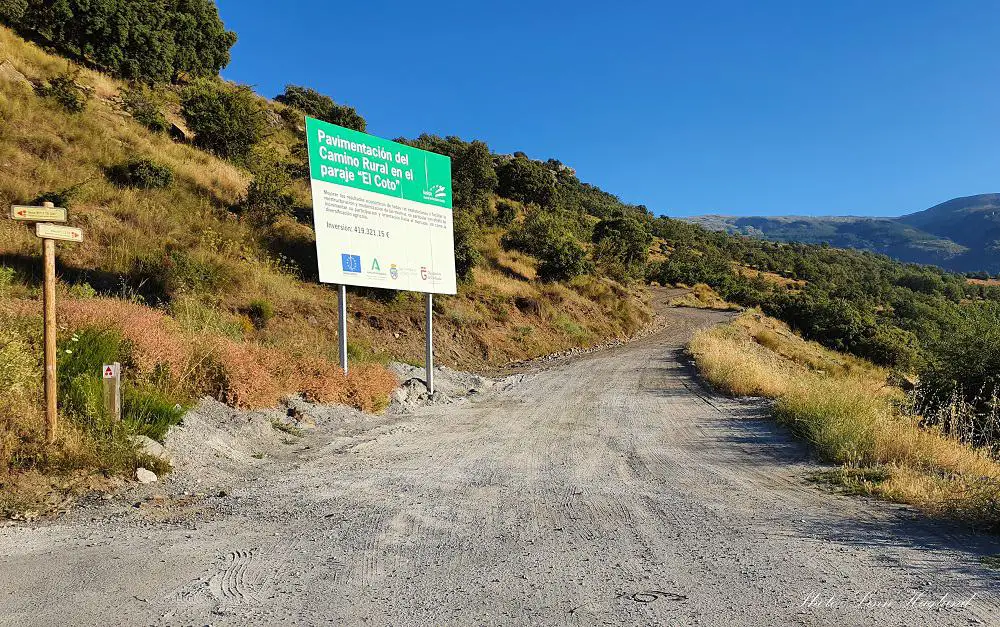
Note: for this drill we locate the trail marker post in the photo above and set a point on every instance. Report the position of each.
(383, 217)
(112, 378)
(48, 232)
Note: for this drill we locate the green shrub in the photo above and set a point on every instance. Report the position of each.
(526, 181)
(562, 259)
(506, 213)
(467, 256)
(226, 120)
(140, 173)
(269, 193)
(545, 237)
(260, 312)
(321, 107)
(183, 272)
(60, 198)
(149, 410)
(140, 104)
(64, 91)
(6, 279)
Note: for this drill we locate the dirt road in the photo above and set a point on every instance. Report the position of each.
(608, 489)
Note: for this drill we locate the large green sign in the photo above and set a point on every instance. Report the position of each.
(346, 157)
(382, 212)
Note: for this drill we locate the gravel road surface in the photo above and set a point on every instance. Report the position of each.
(610, 488)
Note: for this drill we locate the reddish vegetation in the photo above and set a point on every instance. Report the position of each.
(984, 281)
(242, 374)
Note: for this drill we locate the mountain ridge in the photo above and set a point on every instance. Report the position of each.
(961, 234)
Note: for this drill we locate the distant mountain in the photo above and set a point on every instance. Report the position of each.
(961, 235)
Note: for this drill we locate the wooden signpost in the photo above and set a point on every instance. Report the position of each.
(49, 233)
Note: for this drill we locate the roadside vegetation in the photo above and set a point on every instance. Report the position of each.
(851, 414)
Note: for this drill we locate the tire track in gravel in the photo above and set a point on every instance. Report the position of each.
(609, 488)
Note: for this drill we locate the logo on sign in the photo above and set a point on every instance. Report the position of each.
(109, 372)
(423, 273)
(375, 266)
(437, 193)
(351, 263)
(394, 271)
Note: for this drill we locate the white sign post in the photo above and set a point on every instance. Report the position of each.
(112, 378)
(383, 218)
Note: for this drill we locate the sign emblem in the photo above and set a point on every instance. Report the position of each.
(423, 273)
(351, 263)
(394, 271)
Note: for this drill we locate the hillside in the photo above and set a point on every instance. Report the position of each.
(198, 273)
(962, 235)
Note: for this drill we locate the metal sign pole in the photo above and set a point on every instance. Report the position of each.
(429, 362)
(342, 298)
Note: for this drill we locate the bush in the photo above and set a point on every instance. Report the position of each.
(260, 312)
(150, 411)
(506, 213)
(474, 177)
(526, 181)
(622, 245)
(562, 259)
(141, 106)
(64, 91)
(321, 107)
(229, 121)
(60, 198)
(140, 173)
(268, 196)
(466, 253)
(146, 409)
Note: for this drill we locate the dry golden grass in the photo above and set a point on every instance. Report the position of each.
(702, 296)
(850, 415)
(770, 277)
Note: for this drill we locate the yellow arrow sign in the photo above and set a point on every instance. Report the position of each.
(55, 231)
(38, 214)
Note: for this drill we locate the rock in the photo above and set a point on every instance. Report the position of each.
(151, 447)
(440, 397)
(144, 476)
(10, 74)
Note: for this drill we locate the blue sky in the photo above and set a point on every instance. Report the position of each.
(877, 107)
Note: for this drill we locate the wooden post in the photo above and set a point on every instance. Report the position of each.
(49, 267)
(112, 376)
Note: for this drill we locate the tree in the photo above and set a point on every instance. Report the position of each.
(473, 176)
(321, 107)
(149, 40)
(527, 181)
(622, 245)
(226, 120)
(562, 258)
